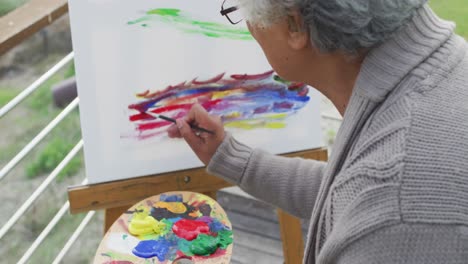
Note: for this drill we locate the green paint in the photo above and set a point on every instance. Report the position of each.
(124, 236)
(184, 247)
(164, 12)
(204, 245)
(118, 256)
(224, 238)
(185, 24)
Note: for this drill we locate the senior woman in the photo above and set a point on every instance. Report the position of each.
(395, 189)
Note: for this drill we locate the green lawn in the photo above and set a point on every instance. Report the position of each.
(454, 10)
(8, 5)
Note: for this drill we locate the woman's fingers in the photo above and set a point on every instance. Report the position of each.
(203, 144)
(173, 131)
(189, 135)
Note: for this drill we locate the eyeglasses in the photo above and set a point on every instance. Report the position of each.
(227, 9)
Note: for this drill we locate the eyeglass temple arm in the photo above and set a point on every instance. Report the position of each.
(228, 10)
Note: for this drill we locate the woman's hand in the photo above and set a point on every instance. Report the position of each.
(203, 144)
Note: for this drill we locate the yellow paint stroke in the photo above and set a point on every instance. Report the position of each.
(144, 224)
(248, 124)
(174, 207)
(222, 94)
(260, 122)
(233, 115)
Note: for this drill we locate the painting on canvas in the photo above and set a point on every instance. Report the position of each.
(138, 58)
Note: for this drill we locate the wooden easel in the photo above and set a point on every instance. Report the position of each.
(116, 197)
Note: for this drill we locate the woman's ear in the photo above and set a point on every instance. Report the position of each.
(298, 35)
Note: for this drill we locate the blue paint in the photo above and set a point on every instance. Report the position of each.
(173, 220)
(171, 198)
(159, 248)
(216, 226)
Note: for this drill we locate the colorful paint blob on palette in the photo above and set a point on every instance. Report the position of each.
(186, 24)
(172, 229)
(242, 101)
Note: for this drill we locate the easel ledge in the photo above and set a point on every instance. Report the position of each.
(116, 197)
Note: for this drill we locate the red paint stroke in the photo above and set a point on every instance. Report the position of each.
(252, 77)
(296, 86)
(140, 116)
(143, 94)
(197, 204)
(121, 222)
(189, 229)
(153, 125)
(209, 81)
(143, 116)
(150, 135)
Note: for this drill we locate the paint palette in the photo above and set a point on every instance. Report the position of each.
(169, 228)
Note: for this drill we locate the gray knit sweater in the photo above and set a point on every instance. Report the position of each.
(395, 189)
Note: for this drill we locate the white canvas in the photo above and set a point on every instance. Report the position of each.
(116, 60)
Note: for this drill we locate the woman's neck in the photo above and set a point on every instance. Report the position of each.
(334, 75)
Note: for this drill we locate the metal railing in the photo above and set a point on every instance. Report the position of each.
(53, 175)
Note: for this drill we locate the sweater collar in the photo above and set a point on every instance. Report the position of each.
(386, 65)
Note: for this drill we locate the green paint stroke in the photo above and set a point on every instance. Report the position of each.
(184, 23)
(205, 245)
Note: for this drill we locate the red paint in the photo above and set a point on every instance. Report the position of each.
(296, 86)
(251, 77)
(186, 107)
(141, 116)
(143, 94)
(123, 225)
(153, 125)
(189, 229)
(212, 80)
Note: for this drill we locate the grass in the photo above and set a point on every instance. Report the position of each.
(6, 94)
(9, 5)
(62, 139)
(454, 10)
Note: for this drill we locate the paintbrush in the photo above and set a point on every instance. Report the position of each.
(193, 126)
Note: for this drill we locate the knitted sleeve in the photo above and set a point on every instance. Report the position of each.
(405, 243)
(288, 183)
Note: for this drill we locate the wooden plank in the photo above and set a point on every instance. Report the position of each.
(291, 235)
(26, 20)
(130, 191)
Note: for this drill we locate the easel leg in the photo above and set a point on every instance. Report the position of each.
(291, 235)
(112, 214)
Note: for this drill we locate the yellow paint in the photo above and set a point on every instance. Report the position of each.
(174, 207)
(144, 224)
(233, 115)
(248, 124)
(219, 95)
(275, 116)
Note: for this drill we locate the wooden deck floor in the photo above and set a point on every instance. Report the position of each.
(255, 226)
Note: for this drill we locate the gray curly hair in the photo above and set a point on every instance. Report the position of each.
(346, 25)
